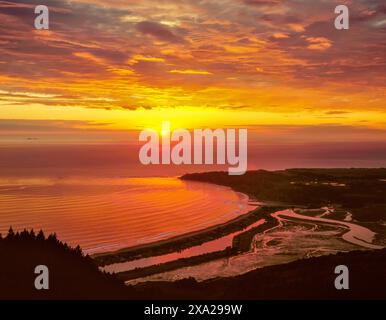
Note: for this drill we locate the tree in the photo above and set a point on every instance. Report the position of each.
(11, 234)
(40, 236)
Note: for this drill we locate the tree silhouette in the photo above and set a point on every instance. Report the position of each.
(40, 236)
(11, 234)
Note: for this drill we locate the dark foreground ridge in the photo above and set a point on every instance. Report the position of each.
(75, 276)
(303, 279)
(71, 274)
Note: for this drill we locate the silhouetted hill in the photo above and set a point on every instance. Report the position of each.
(71, 274)
(75, 276)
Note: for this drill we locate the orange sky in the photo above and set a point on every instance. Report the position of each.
(277, 67)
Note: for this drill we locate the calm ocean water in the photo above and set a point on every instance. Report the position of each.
(103, 214)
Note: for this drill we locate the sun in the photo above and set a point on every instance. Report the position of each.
(165, 129)
(164, 132)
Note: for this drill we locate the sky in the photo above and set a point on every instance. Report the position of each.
(106, 69)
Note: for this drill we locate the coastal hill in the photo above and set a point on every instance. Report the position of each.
(362, 191)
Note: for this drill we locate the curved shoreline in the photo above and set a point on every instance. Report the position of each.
(239, 245)
(184, 241)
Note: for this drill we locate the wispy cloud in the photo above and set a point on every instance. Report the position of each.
(188, 71)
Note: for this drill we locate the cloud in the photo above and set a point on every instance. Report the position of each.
(280, 35)
(159, 31)
(297, 27)
(190, 72)
(336, 112)
(319, 43)
(140, 57)
(262, 2)
(90, 57)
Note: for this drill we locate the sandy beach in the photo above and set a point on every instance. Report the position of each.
(184, 241)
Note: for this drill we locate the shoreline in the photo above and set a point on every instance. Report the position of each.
(239, 245)
(195, 238)
(183, 241)
(242, 243)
